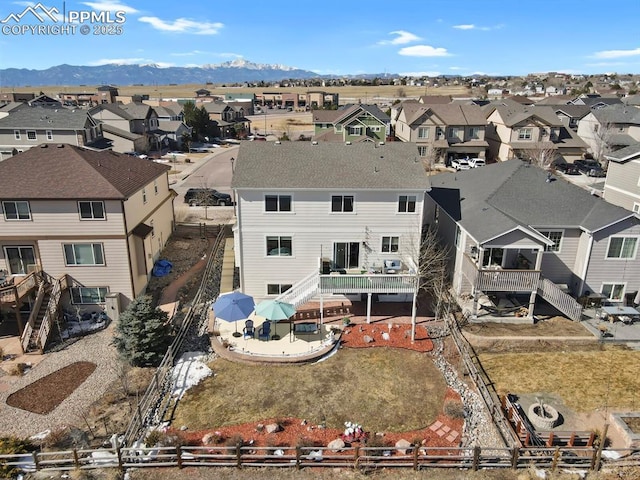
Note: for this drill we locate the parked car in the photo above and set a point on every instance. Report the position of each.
(566, 168)
(591, 168)
(460, 164)
(136, 154)
(206, 196)
(476, 162)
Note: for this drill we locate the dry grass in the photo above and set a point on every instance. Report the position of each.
(552, 327)
(383, 389)
(586, 380)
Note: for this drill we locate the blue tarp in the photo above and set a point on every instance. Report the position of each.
(162, 268)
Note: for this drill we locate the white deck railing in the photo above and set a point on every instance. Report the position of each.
(368, 283)
(499, 280)
(556, 297)
(301, 292)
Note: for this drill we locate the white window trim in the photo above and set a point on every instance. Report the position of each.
(278, 212)
(389, 236)
(407, 212)
(144, 196)
(279, 285)
(624, 290)
(16, 135)
(523, 137)
(618, 259)
(279, 235)
(636, 207)
(35, 133)
(64, 255)
(331, 212)
(83, 303)
(424, 130)
(49, 135)
(93, 218)
(543, 231)
(4, 211)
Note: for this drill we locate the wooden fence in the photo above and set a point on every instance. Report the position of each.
(360, 457)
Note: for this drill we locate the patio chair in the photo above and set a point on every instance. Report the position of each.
(248, 330)
(264, 332)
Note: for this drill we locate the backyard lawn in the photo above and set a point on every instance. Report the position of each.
(382, 389)
(587, 380)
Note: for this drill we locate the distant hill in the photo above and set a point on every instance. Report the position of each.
(236, 71)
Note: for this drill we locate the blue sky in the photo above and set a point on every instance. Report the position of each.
(337, 37)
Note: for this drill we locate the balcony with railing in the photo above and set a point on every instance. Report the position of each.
(499, 279)
(367, 283)
(15, 288)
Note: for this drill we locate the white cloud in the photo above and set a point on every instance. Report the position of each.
(456, 68)
(110, 7)
(424, 51)
(471, 26)
(617, 53)
(465, 27)
(187, 54)
(130, 61)
(183, 25)
(605, 64)
(402, 38)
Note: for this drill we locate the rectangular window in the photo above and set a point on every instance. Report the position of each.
(16, 135)
(622, 247)
(91, 210)
(555, 237)
(155, 187)
(83, 254)
(144, 195)
(613, 291)
(31, 135)
(454, 132)
(342, 203)
(390, 244)
(153, 230)
(279, 246)
(375, 129)
(474, 133)
(355, 130)
(49, 135)
(88, 295)
(18, 210)
(636, 207)
(422, 151)
(423, 132)
(525, 133)
(277, 203)
(277, 288)
(407, 204)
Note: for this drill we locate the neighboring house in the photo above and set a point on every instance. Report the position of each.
(10, 97)
(570, 115)
(622, 185)
(131, 118)
(513, 230)
(313, 99)
(610, 128)
(443, 132)
(595, 101)
(351, 123)
(105, 94)
(517, 131)
(315, 220)
(97, 219)
(226, 120)
(25, 127)
(45, 101)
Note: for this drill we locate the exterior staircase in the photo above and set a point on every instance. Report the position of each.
(556, 297)
(301, 292)
(39, 317)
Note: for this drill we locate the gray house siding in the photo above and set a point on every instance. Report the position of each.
(622, 186)
(558, 266)
(602, 270)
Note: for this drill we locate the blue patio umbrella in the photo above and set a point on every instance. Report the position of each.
(233, 307)
(275, 310)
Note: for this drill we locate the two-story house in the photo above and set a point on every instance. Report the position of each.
(328, 220)
(443, 132)
(26, 127)
(226, 121)
(622, 185)
(351, 123)
(523, 131)
(96, 219)
(130, 126)
(513, 230)
(610, 128)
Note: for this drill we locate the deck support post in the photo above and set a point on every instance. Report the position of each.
(369, 307)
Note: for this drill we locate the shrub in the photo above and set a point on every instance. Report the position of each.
(376, 442)
(454, 409)
(153, 438)
(234, 441)
(305, 442)
(18, 369)
(12, 445)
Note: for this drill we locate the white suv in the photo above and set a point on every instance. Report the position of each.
(476, 162)
(460, 164)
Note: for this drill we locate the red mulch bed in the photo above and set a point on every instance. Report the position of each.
(399, 337)
(45, 394)
(294, 429)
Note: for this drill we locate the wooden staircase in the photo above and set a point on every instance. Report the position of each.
(38, 319)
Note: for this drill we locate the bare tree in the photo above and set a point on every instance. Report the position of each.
(602, 142)
(431, 157)
(542, 154)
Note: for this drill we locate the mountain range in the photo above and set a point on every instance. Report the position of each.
(236, 71)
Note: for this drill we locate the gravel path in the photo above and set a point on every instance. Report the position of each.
(94, 348)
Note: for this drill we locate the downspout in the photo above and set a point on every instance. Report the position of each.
(236, 208)
(126, 241)
(583, 275)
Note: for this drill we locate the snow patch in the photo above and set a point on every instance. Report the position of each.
(188, 371)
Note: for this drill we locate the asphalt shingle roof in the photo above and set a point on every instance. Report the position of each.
(328, 165)
(41, 117)
(69, 172)
(492, 200)
(620, 113)
(449, 114)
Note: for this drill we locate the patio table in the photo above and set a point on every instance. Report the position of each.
(622, 313)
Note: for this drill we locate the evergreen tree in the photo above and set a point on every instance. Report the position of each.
(143, 333)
